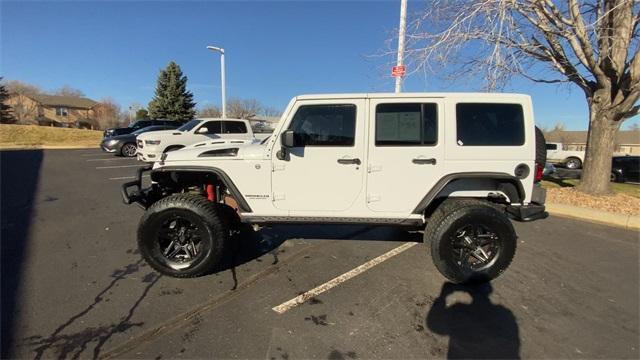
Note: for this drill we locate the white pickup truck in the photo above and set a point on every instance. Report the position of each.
(570, 159)
(204, 131)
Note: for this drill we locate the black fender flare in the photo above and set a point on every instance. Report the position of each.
(242, 203)
(509, 184)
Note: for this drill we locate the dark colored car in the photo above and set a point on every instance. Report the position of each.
(625, 168)
(125, 145)
(138, 125)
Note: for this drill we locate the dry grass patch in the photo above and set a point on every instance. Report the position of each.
(34, 136)
(624, 200)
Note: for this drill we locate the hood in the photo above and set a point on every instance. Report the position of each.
(154, 134)
(226, 151)
(125, 137)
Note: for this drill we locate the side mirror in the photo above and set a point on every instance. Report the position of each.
(287, 139)
(287, 142)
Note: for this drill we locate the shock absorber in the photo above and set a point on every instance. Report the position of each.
(211, 192)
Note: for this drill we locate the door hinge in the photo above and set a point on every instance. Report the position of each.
(277, 197)
(373, 198)
(373, 168)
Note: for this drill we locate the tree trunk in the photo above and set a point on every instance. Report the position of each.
(600, 145)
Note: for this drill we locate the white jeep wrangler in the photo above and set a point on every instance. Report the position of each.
(458, 165)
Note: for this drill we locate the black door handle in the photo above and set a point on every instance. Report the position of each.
(349, 161)
(424, 161)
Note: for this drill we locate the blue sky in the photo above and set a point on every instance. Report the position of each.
(274, 51)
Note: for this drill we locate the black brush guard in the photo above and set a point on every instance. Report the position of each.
(143, 197)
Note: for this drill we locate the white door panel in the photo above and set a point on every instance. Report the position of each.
(399, 173)
(321, 177)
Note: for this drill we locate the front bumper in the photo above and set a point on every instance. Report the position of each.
(143, 197)
(110, 148)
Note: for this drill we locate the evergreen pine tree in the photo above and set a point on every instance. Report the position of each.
(172, 100)
(6, 114)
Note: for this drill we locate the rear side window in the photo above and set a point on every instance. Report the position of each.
(485, 124)
(324, 125)
(406, 124)
(234, 127)
(213, 127)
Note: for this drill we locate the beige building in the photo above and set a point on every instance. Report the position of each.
(627, 142)
(52, 110)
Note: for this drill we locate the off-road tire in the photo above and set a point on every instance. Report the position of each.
(541, 148)
(210, 218)
(450, 216)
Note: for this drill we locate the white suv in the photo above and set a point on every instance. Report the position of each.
(458, 165)
(200, 132)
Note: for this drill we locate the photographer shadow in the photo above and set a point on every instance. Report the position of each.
(479, 330)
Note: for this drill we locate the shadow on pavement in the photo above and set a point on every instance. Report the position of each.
(19, 176)
(63, 344)
(479, 330)
(250, 245)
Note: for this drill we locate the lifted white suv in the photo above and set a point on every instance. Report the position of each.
(458, 165)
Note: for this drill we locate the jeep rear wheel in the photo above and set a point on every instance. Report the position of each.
(471, 241)
(183, 235)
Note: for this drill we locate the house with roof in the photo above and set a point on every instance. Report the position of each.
(53, 110)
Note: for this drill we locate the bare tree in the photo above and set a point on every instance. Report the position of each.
(243, 108)
(592, 44)
(209, 111)
(271, 111)
(557, 133)
(67, 90)
(107, 114)
(23, 88)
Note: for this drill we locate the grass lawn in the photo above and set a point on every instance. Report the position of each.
(619, 188)
(33, 136)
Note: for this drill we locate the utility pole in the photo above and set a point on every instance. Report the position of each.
(401, 31)
(224, 100)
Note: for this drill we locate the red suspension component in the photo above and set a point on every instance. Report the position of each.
(211, 192)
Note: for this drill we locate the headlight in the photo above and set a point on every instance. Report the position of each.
(152, 142)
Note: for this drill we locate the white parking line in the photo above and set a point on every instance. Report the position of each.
(127, 177)
(98, 154)
(111, 159)
(288, 305)
(119, 166)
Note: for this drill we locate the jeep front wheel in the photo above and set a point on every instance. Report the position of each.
(183, 235)
(471, 241)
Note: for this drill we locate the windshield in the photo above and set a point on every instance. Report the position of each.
(139, 124)
(190, 125)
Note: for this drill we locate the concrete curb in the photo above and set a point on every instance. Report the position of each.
(45, 147)
(630, 222)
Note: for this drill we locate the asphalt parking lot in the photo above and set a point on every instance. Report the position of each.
(74, 286)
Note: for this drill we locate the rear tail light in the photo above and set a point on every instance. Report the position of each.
(539, 171)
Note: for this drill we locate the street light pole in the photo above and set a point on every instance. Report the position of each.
(401, 31)
(222, 80)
